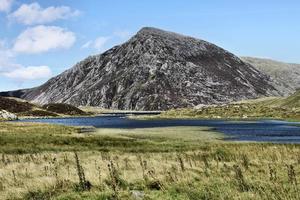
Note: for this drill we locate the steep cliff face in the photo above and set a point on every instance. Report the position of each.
(154, 70)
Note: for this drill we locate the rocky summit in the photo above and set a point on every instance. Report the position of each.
(154, 70)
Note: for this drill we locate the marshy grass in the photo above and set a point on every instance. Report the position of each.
(34, 138)
(127, 165)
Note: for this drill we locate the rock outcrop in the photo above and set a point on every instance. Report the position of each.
(7, 116)
(154, 70)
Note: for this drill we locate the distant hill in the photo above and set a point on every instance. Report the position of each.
(24, 108)
(269, 107)
(154, 70)
(62, 108)
(286, 76)
(15, 106)
(290, 102)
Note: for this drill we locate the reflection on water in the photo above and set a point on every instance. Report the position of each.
(262, 130)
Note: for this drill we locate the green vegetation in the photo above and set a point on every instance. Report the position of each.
(34, 138)
(292, 102)
(14, 106)
(198, 134)
(270, 107)
(233, 111)
(44, 162)
(39, 113)
(65, 109)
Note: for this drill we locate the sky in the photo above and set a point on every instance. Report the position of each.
(40, 39)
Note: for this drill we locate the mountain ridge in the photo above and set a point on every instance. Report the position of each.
(286, 76)
(154, 70)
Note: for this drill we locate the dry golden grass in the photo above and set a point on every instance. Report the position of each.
(213, 168)
(167, 163)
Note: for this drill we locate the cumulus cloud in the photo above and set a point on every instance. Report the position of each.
(17, 72)
(21, 74)
(5, 5)
(30, 14)
(2, 44)
(42, 39)
(6, 65)
(5, 58)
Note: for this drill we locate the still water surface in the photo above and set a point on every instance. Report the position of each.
(261, 130)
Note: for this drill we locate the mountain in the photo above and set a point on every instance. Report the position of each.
(286, 76)
(154, 70)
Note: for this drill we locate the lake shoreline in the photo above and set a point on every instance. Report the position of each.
(239, 129)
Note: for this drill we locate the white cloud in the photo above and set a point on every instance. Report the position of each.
(19, 73)
(43, 38)
(5, 5)
(28, 73)
(2, 44)
(7, 65)
(30, 14)
(5, 59)
(100, 42)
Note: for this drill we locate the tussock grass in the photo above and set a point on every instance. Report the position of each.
(215, 172)
(32, 138)
(137, 164)
(287, 108)
(234, 111)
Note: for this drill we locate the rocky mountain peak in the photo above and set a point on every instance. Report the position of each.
(154, 70)
(151, 31)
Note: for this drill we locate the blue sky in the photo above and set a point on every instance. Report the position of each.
(40, 39)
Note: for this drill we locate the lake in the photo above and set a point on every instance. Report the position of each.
(261, 130)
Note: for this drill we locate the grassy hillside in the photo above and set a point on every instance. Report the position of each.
(37, 162)
(64, 109)
(286, 75)
(270, 107)
(15, 106)
(27, 109)
(291, 103)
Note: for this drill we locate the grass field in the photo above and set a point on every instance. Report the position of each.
(286, 108)
(232, 111)
(39, 162)
(34, 138)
